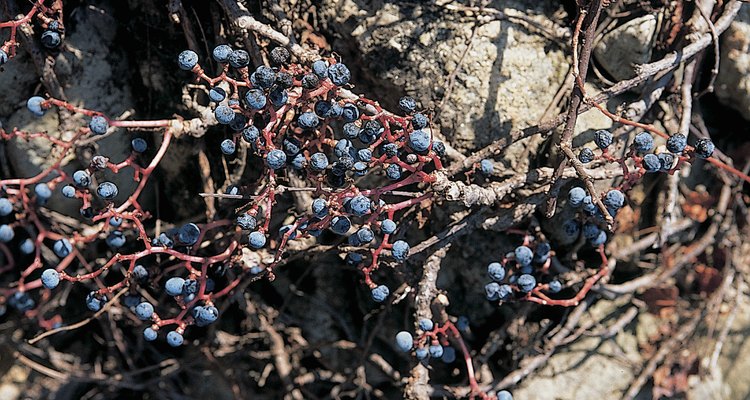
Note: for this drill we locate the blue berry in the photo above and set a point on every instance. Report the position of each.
(600, 239)
(407, 104)
(526, 283)
(603, 138)
(255, 99)
(351, 130)
(350, 113)
(571, 228)
(224, 114)
(555, 286)
(487, 166)
(115, 221)
(436, 351)
(320, 68)
(217, 94)
(264, 77)
(393, 172)
(541, 252)
(677, 143)
(174, 285)
(116, 239)
(98, 125)
(238, 122)
(205, 315)
(586, 155)
(339, 74)
(359, 205)
(81, 178)
(275, 159)
(149, 334)
(187, 60)
(388, 226)
(95, 302)
(228, 147)
(107, 190)
(704, 148)
(419, 121)
(504, 395)
(419, 140)
(68, 191)
(354, 259)
(174, 339)
(307, 120)
(139, 145)
(21, 301)
(238, 58)
(144, 311)
(250, 134)
(165, 240)
(666, 160)
(318, 161)
(590, 231)
(340, 225)
(400, 250)
(421, 353)
(34, 104)
(651, 163)
(221, 53)
(278, 97)
(280, 55)
(140, 273)
(426, 324)
(575, 196)
(257, 239)
(614, 199)
(380, 293)
(643, 142)
(3, 57)
(299, 161)
(51, 39)
(62, 248)
(496, 271)
(42, 191)
(588, 205)
(524, 256)
(322, 108)
(449, 355)
(365, 235)
(319, 208)
(246, 222)
(50, 278)
(364, 155)
(27, 246)
(189, 233)
(310, 81)
(6, 207)
(404, 341)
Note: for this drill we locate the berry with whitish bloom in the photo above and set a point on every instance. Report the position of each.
(68, 191)
(318, 162)
(677, 143)
(319, 208)
(139, 145)
(353, 259)
(586, 155)
(308, 120)
(504, 395)
(62, 248)
(421, 353)
(436, 351)
(174, 339)
(206, 315)
(107, 190)
(246, 222)
(555, 286)
(350, 113)
(115, 221)
(704, 148)
(492, 291)
(651, 163)
(600, 239)
(419, 121)
(351, 130)
(217, 94)
(364, 155)
(6, 207)
(603, 138)
(42, 191)
(250, 134)
(255, 99)
(51, 39)
(400, 250)
(144, 311)
(419, 141)
(165, 240)
(643, 142)
(320, 68)
(140, 273)
(174, 285)
(224, 114)
(526, 283)
(278, 97)
(187, 60)
(426, 324)
(299, 161)
(487, 166)
(310, 81)
(388, 226)
(149, 334)
(339, 74)
(588, 205)
(590, 231)
(27, 246)
(189, 233)
(575, 196)
(523, 255)
(221, 53)
(322, 108)
(359, 205)
(407, 104)
(365, 235)
(50, 278)
(666, 160)
(98, 125)
(116, 239)
(275, 159)
(380, 293)
(264, 77)
(280, 55)
(228, 147)
(393, 172)
(95, 302)
(404, 341)
(496, 271)
(614, 199)
(81, 178)
(449, 355)
(541, 252)
(340, 225)
(238, 58)
(34, 104)
(257, 239)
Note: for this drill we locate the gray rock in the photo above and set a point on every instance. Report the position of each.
(622, 48)
(733, 81)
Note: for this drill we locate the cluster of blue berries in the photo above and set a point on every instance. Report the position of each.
(526, 266)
